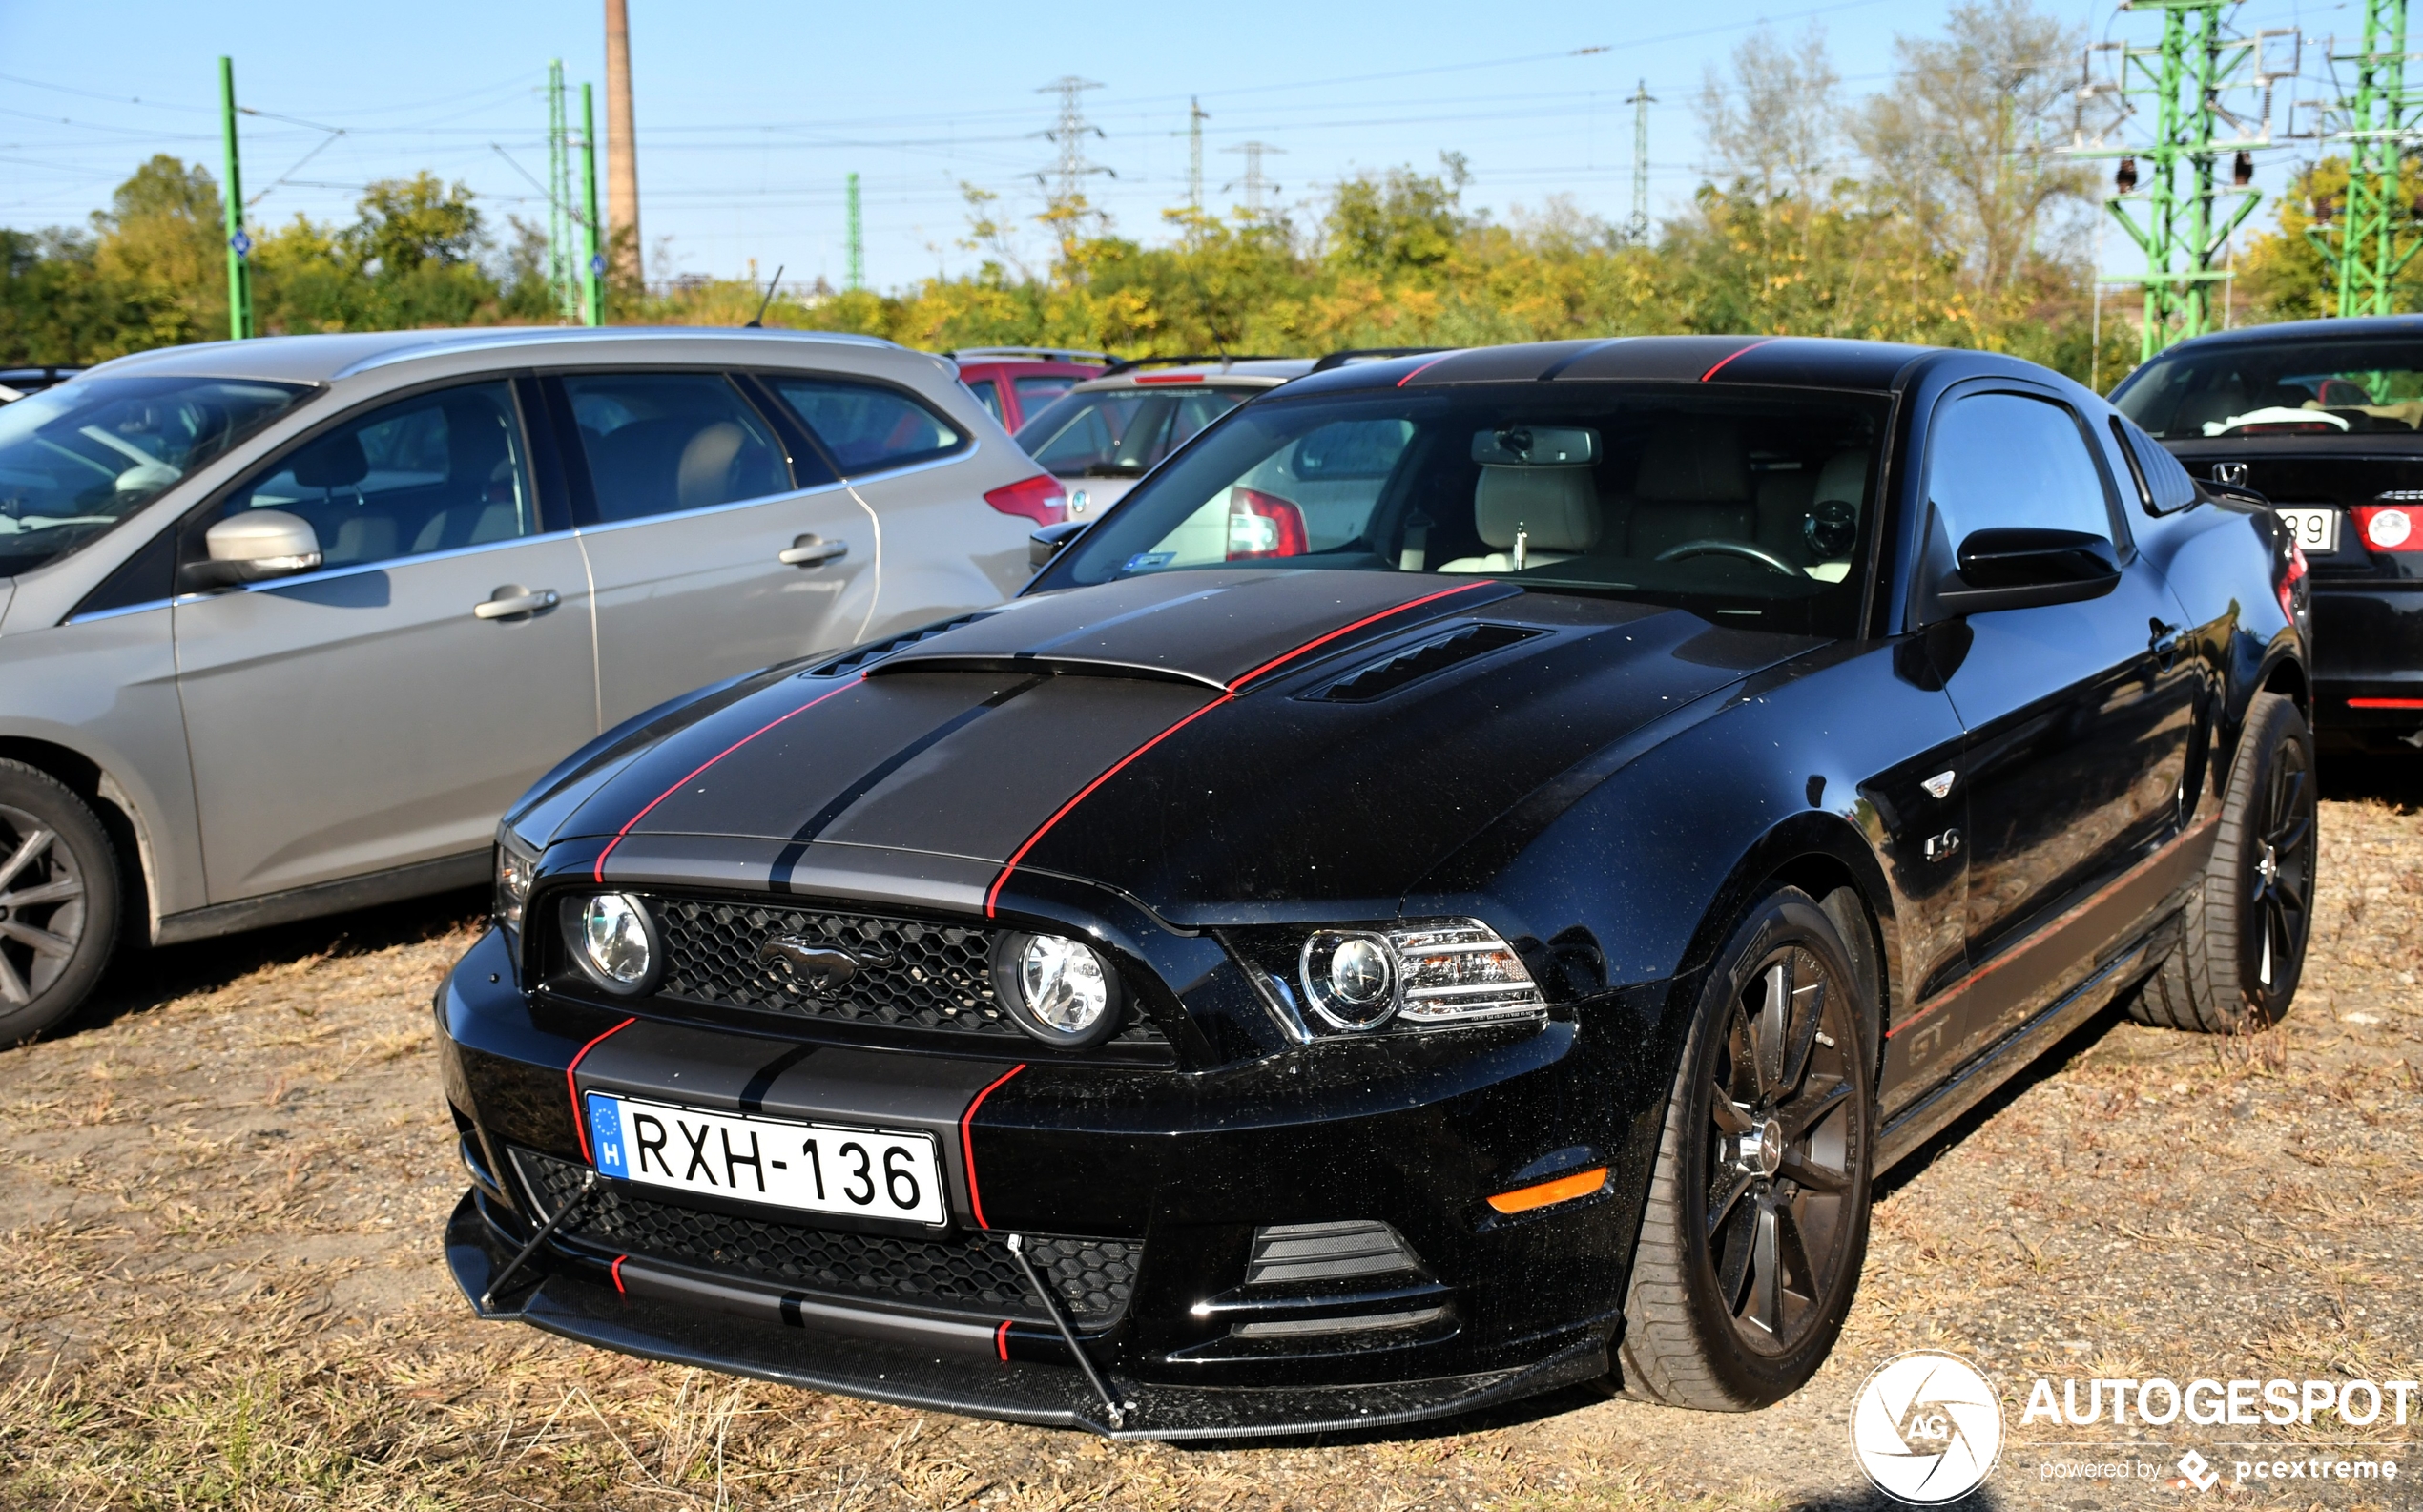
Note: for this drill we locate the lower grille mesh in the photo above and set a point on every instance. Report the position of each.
(967, 1272)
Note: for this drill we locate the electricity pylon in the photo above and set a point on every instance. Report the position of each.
(1255, 186)
(563, 208)
(2180, 83)
(1067, 177)
(1196, 116)
(856, 277)
(2378, 122)
(1638, 231)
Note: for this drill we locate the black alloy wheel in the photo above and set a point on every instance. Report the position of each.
(58, 900)
(1757, 1222)
(2241, 946)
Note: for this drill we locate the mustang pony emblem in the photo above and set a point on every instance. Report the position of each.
(820, 968)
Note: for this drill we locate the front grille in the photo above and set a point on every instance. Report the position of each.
(964, 1272)
(911, 974)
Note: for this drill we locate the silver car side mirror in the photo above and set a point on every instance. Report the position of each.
(258, 545)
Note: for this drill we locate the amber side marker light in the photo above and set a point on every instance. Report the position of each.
(1564, 1188)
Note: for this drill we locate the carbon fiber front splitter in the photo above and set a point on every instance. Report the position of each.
(869, 1356)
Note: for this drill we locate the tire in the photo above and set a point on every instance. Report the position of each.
(59, 901)
(2243, 941)
(1738, 1314)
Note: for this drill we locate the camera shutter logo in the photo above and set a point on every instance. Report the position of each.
(1926, 1427)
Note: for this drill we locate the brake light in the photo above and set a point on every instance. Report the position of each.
(2389, 527)
(1263, 525)
(1039, 498)
(2290, 579)
(1168, 378)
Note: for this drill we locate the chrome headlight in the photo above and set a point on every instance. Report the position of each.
(1432, 974)
(613, 939)
(1062, 991)
(515, 866)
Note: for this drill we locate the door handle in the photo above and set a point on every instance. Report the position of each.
(514, 601)
(2163, 642)
(808, 550)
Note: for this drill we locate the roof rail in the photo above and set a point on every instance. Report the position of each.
(1224, 359)
(1375, 354)
(1061, 354)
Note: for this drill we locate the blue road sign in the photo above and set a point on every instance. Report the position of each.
(242, 243)
(597, 264)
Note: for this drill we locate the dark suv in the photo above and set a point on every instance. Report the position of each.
(2324, 419)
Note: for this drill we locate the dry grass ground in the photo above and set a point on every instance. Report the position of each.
(220, 1286)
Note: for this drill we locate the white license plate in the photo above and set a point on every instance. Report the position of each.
(813, 1167)
(2315, 530)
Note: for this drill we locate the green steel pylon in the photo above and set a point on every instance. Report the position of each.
(2379, 120)
(563, 213)
(2179, 82)
(856, 277)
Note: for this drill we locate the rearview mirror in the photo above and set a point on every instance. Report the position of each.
(1049, 541)
(2026, 567)
(256, 546)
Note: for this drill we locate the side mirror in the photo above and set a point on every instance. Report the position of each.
(256, 546)
(1051, 540)
(2027, 567)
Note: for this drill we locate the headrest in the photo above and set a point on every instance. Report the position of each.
(1695, 461)
(1559, 506)
(704, 476)
(1844, 477)
(335, 462)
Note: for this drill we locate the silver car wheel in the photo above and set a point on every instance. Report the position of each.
(42, 906)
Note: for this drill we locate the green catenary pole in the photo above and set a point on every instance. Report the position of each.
(593, 266)
(2361, 249)
(240, 246)
(563, 217)
(857, 240)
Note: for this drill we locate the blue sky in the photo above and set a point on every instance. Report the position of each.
(751, 113)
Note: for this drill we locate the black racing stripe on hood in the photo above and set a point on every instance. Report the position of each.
(788, 859)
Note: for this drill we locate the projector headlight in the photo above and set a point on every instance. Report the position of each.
(1431, 974)
(613, 941)
(1062, 991)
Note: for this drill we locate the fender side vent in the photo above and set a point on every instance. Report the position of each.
(1294, 1254)
(1377, 679)
(861, 656)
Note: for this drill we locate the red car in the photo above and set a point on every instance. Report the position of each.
(1015, 382)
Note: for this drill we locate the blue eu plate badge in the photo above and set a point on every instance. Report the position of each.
(606, 1136)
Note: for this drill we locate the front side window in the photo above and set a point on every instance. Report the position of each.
(1121, 432)
(1755, 509)
(2324, 389)
(2005, 460)
(661, 443)
(76, 459)
(435, 472)
(868, 429)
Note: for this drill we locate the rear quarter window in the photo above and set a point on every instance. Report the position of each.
(865, 426)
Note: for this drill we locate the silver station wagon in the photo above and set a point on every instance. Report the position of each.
(285, 624)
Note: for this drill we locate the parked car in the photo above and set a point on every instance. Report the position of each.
(2324, 419)
(1108, 431)
(289, 622)
(1015, 384)
(15, 382)
(1455, 886)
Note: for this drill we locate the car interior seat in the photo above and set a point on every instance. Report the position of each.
(480, 499)
(704, 474)
(1556, 508)
(347, 531)
(1693, 485)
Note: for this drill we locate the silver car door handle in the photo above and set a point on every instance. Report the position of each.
(808, 550)
(505, 605)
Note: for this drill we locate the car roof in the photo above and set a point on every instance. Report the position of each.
(2344, 328)
(1258, 372)
(1798, 360)
(323, 358)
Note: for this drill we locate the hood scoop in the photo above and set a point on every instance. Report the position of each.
(863, 656)
(1377, 679)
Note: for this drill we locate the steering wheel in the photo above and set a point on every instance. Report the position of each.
(1711, 545)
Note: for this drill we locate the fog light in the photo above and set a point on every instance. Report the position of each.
(1059, 990)
(613, 941)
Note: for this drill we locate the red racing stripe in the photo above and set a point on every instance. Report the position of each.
(598, 874)
(1423, 368)
(968, 1144)
(1001, 1341)
(618, 1269)
(1730, 356)
(580, 1120)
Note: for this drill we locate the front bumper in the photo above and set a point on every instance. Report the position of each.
(1183, 1169)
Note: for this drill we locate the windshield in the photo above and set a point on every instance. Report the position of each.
(1121, 432)
(77, 459)
(1755, 508)
(2303, 388)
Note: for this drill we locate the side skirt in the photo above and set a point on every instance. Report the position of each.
(444, 874)
(1927, 1117)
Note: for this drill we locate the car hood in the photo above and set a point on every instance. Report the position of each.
(1221, 746)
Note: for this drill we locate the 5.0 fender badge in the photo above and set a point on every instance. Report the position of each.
(820, 968)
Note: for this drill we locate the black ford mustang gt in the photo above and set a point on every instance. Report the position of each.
(1455, 887)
